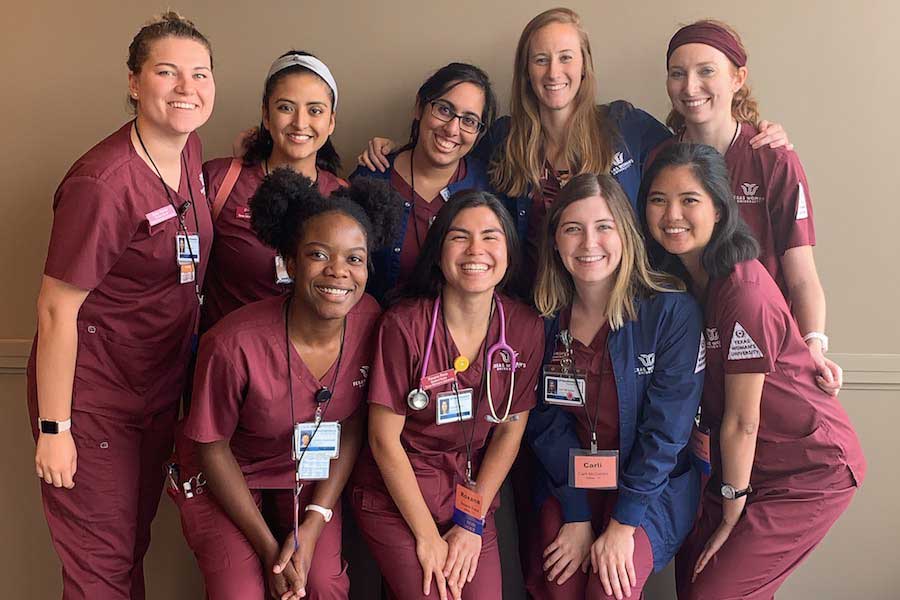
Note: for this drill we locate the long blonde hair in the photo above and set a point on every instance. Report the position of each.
(588, 139)
(744, 107)
(555, 288)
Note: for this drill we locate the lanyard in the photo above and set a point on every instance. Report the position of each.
(323, 401)
(179, 211)
(469, 438)
(566, 338)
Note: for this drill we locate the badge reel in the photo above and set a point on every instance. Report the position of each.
(699, 445)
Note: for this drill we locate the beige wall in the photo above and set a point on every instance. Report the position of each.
(827, 70)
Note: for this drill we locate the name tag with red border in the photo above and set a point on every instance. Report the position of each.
(597, 470)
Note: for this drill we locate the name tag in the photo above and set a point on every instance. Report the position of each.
(597, 470)
(187, 248)
(564, 389)
(699, 447)
(454, 406)
(429, 382)
(468, 510)
(186, 273)
(316, 446)
(242, 212)
(161, 214)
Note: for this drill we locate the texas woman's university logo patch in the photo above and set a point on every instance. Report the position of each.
(647, 363)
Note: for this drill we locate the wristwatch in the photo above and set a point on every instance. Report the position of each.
(730, 493)
(54, 427)
(326, 513)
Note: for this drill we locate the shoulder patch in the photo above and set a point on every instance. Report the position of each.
(701, 355)
(802, 210)
(742, 345)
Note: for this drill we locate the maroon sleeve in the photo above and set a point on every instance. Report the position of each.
(751, 326)
(532, 354)
(790, 208)
(213, 174)
(92, 228)
(393, 364)
(217, 394)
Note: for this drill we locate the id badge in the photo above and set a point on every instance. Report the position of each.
(597, 470)
(186, 273)
(281, 274)
(564, 389)
(454, 406)
(187, 249)
(314, 465)
(699, 446)
(468, 509)
(311, 439)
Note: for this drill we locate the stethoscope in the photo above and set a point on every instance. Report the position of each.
(418, 398)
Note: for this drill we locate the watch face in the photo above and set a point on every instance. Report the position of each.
(728, 491)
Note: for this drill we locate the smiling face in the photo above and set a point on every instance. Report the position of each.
(588, 242)
(681, 215)
(330, 267)
(298, 115)
(443, 144)
(555, 65)
(174, 88)
(474, 255)
(702, 82)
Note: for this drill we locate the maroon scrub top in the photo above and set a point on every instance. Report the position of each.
(541, 200)
(772, 194)
(602, 397)
(241, 389)
(425, 212)
(438, 452)
(242, 268)
(114, 233)
(802, 430)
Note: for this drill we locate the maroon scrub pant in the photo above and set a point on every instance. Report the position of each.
(232, 570)
(394, 548)
(101, 527)
(581, 586)
(780, 526)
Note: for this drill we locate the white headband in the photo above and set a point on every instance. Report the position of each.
(310, 62)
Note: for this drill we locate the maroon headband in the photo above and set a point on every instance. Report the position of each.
(711, 35)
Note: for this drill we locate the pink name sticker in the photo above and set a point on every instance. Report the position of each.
(161, 214)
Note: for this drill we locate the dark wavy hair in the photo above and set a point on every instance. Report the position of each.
(731, 242)
(445, 79)
(427, 279)
(259, 146)
(286, 200)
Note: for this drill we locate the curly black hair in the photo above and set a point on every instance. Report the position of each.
(285, 200)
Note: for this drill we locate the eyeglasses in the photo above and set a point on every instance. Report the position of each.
(443, 111)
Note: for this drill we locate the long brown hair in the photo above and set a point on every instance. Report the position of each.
(555, 288)
(588, 140)
(744, 107)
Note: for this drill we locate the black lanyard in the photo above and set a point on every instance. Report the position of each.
(592, 420)
(179, 211)
(469, 439)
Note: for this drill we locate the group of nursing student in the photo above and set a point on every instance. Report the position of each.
(574, 275)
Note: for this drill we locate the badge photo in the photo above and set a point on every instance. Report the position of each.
(187, 248)
(454, 406)
(564, 388)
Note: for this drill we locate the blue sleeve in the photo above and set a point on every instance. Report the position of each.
(493, 139)
(668, 409)
(551, 432)
(640, 130)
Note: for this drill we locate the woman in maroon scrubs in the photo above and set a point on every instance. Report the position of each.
(707, 71)
(448, 408)
(117, 310)
(298, 109)
(278, 386)
(785, 458)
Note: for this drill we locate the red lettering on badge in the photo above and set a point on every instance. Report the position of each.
(699, 444)
(596, 472)
(438, 379)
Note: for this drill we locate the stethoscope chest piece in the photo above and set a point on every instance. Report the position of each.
(417, 399)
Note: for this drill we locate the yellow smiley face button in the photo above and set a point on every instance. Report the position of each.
(461, 363)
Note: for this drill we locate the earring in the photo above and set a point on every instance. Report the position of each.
(134, 95)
